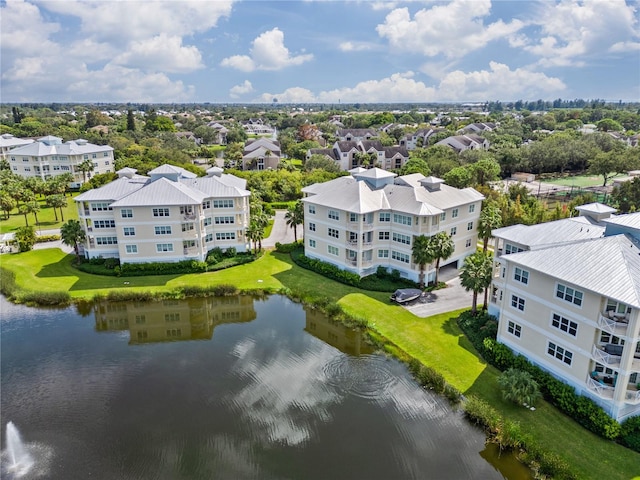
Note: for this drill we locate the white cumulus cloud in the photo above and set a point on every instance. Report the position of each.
(162, 52)
(574, 31)
(268, 52)
(453, 29)
(240, 90)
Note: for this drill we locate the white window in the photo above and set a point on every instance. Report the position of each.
(569, 294)
(208, 238)
(160, 212)
(207, 221)
(107, 240)
(443, 216)
(187, 227)
(472, 208)
(100, 207)
(383, 235)
(164, 247)
(514, 329)
(401, 257)
(508, 248)
(560, 353)
(353, 217)
(312, 243)
(206, 204)
(312, 209)
(131, 248)
(228, 203)
(228, 220)
(384, 217)
(105, 154)
(454, 230)
(520, 275)
(469, 226)
(468, 243)
(401, 219)
(225, 236)
(383, 253)
(404, 239)
(312, 227)
(104, 224)
(564, 324)
(129, 231)
(334, 215)
(517, 302)
(454, 213)
(163, 230)
(332, 250)
(126, 213)
(93, 155)
(332, 232)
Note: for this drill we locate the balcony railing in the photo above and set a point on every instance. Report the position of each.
(603, 357)
(616, 326)
(632, 396)
(602, 390)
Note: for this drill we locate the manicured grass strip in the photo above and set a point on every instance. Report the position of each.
(46, 217)
(580, 180)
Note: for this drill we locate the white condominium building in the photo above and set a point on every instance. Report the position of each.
(169, 216)
(370, 218)
(49, 156)
(567, 296)
(8, 142)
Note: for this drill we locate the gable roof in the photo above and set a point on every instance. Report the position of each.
(609, 266)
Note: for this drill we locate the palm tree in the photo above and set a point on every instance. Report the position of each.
(7, 203)
(34, 207)
(490, 219)
(422, 254)
(519, 386)
(442, 247)
(71, 233)
(254, 234)
(475, 275)
(57, 201)
(84, 167)
(295, 217)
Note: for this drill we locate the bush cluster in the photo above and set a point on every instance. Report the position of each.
(47, 238)
(481, 331)
(159, 268)
(288, 247)
(429, 378)
(509, 436)
(326, 269)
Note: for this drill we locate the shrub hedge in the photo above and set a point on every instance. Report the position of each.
(481, 331)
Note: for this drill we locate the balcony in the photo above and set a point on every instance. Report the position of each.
(614, 324)
(632, 396)
(600, 355)
(189, 216)
(599, 388)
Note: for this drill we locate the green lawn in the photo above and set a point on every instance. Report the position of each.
(580, 181)
(46, 216)
(436, 341)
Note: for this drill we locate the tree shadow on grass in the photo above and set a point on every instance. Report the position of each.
(88, 281)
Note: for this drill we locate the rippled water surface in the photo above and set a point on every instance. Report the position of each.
(244, 390)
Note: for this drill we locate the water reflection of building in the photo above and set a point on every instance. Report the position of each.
(343, 338)
(166, 320)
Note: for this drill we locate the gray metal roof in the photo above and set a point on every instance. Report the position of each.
(115, 190)
(566, 230)
(608, 266)
(161, 192)
(41, 149)
(631, 220)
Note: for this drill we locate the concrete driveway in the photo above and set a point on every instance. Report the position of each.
(281, 232)
(444, 300)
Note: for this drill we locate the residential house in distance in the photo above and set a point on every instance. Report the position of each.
(567, 296)
(478, 127)
(221, 132)
(419, 138)
(261, 154)
(460, 143)
(256, 126)
(356, 134)
(49, 156)
(169, 216)
(369, 219)
(347, 153)
(9, 142)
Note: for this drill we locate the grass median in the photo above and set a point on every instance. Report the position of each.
(436, 341)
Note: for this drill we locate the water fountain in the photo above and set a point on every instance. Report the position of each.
(19, 459)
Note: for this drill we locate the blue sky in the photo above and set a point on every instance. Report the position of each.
(318, 51)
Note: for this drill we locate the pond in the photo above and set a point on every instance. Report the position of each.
(221, 388)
